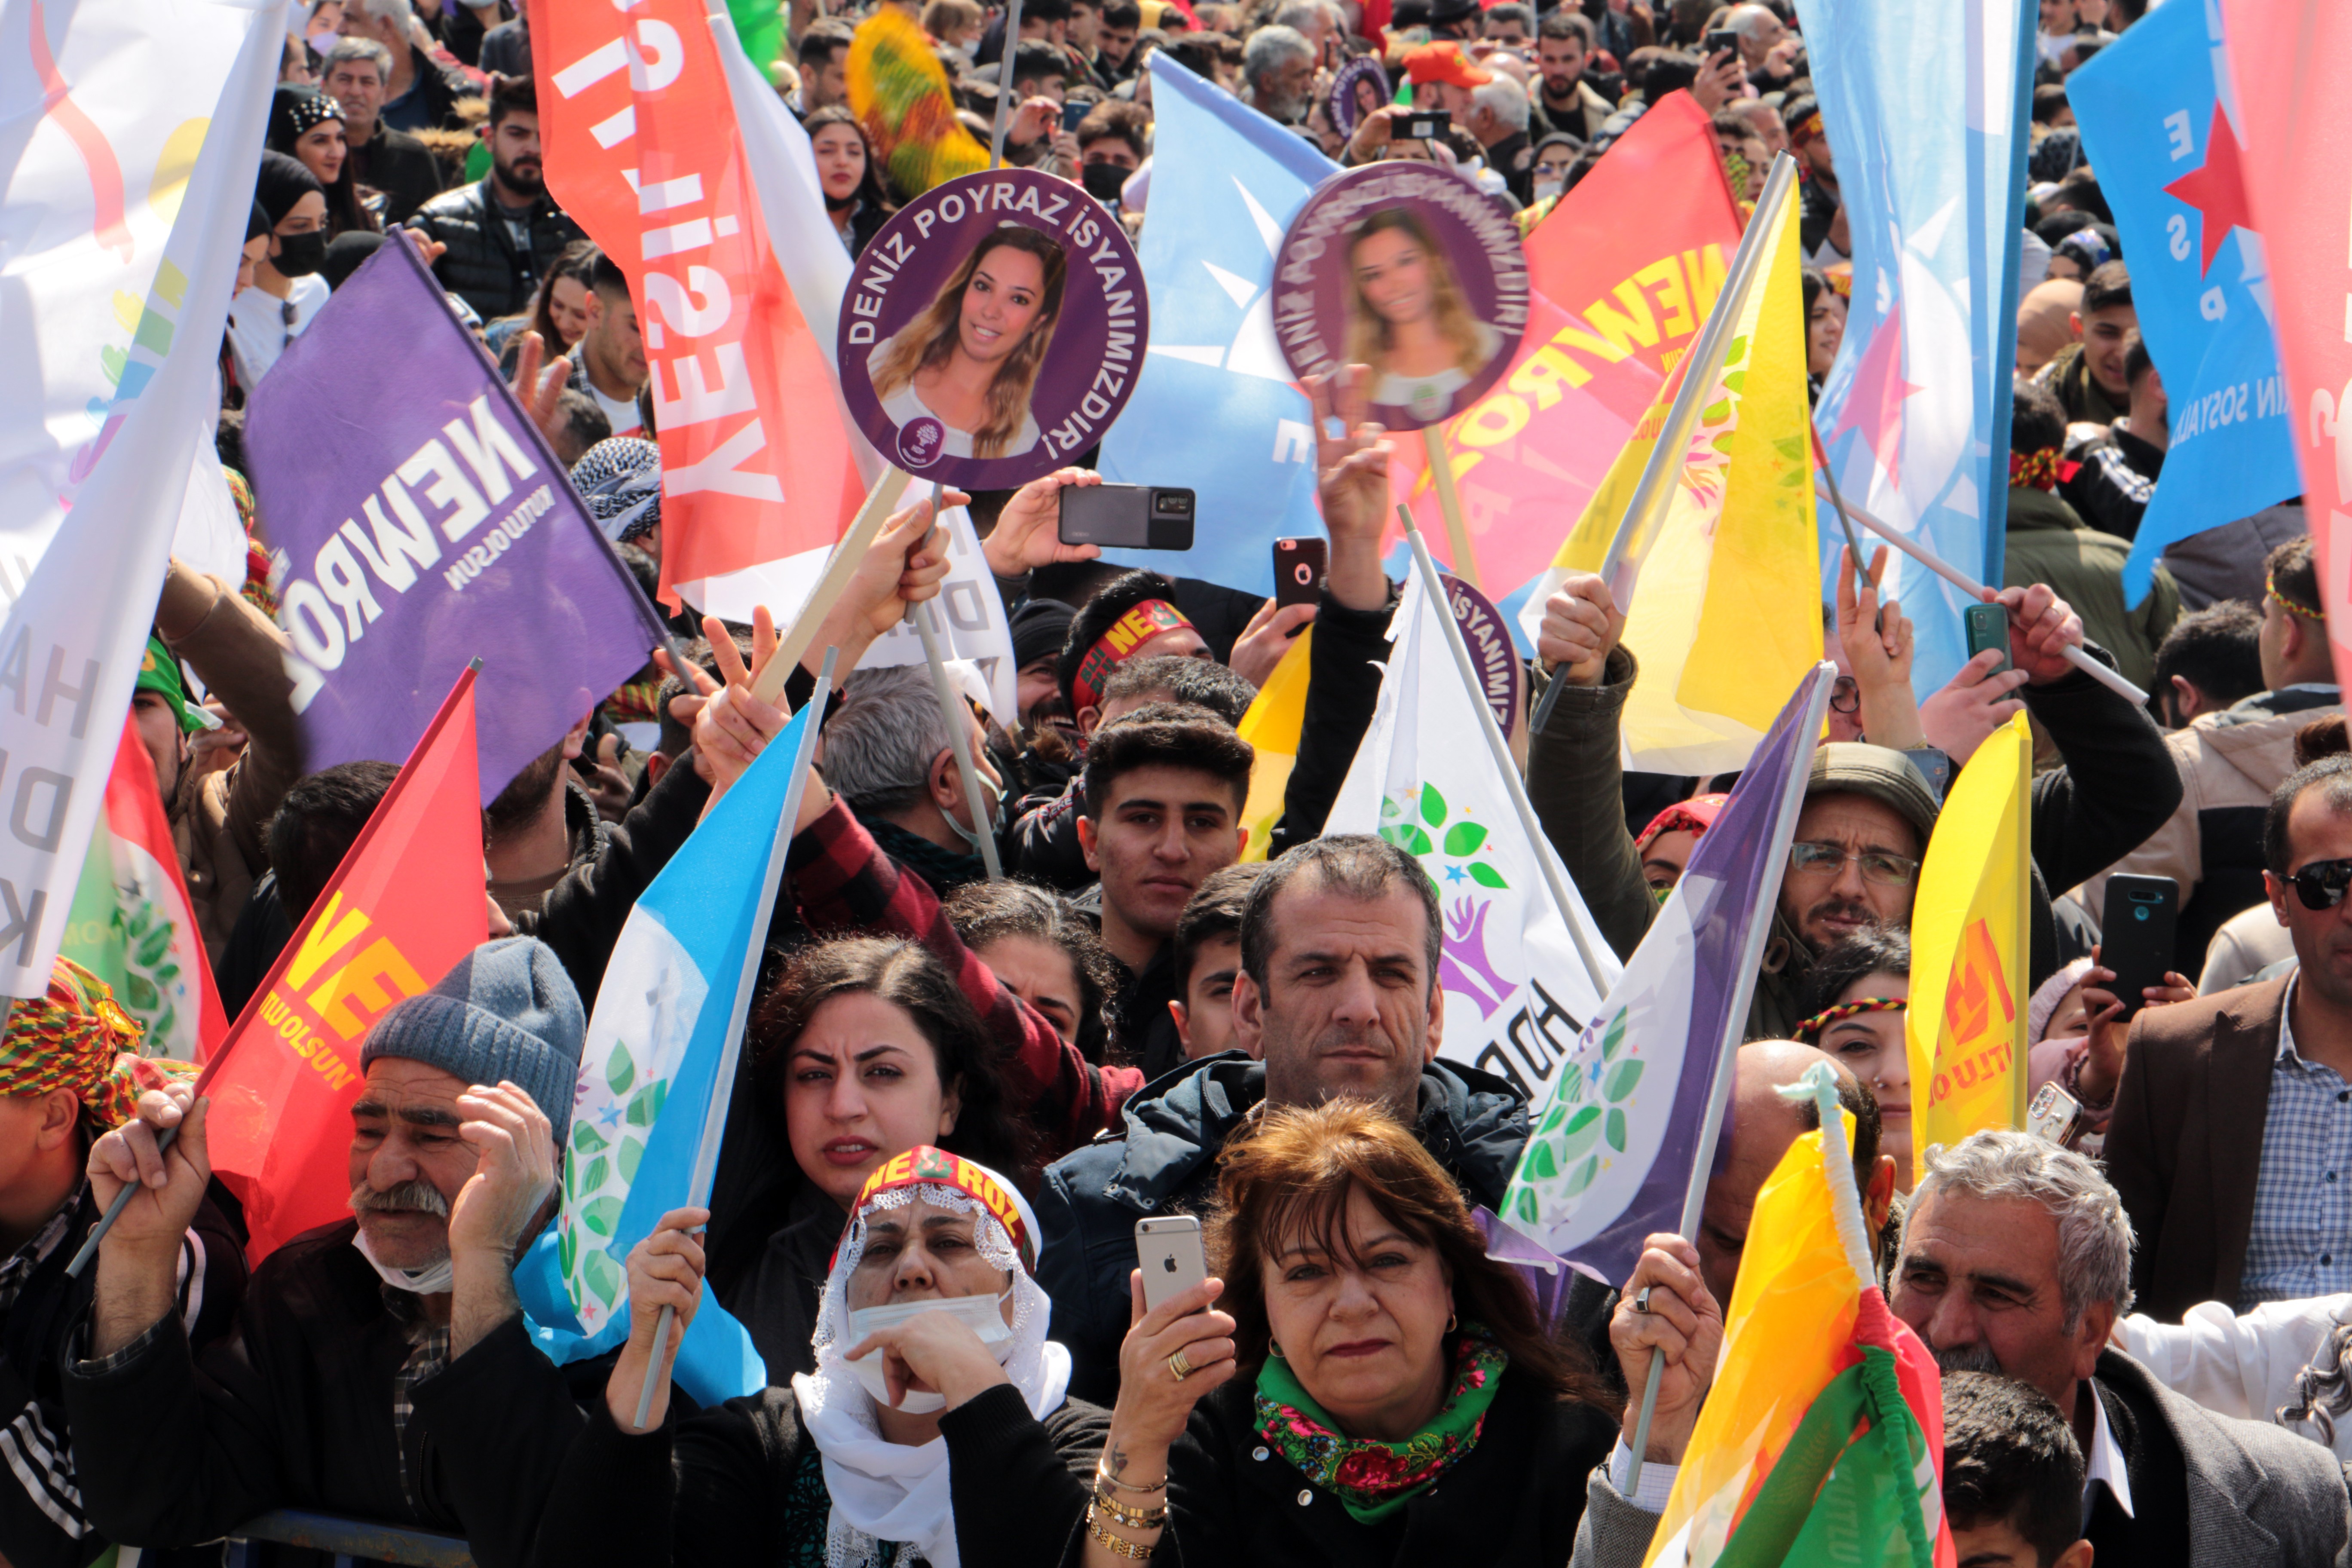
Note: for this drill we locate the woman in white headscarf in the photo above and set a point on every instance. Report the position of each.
(935, 1429)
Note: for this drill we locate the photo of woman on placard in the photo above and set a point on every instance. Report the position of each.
(1407, 319)
(971, 359)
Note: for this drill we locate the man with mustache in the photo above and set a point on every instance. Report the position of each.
(334, 1389)
(504, 232)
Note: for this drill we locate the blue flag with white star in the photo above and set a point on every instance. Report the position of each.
(2159, 125)
(1215, 408)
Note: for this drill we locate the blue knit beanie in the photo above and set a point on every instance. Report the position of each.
(506, 1011)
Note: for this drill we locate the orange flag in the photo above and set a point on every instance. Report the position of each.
(644, 151)
(405, 906)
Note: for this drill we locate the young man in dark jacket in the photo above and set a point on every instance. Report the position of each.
(503, 234)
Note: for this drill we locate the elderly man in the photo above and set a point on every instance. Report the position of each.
(1498, 120)
(1338, 994)
(2015, 1260)
(888, 753)
(326, 1392)
(1278, 74)
(357, 76)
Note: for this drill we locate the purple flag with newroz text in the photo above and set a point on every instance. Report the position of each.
(422, 522)
(1630, 1119)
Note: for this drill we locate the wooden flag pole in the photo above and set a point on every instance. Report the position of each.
(769, 684)
(1449, 506)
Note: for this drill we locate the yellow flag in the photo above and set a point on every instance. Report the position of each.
(1965, 1024)
(1726, 614)
(1271, 724)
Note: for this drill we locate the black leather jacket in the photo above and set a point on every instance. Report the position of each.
(483, 266)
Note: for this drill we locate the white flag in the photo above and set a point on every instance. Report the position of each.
(1517, 992)
(143, 164)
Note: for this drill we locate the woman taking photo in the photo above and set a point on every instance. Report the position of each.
(308, 125)
(1367, 1350)
(854, 194)
(933, 1428)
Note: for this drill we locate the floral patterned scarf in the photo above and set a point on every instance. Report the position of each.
(1374, 1479)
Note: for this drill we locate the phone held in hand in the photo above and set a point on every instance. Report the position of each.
(2135, 935)
(2054, 1115)
(1299, 568)
(1987, 626)
(1719, 40)
(1168, 1250)
(1127, 517)
(1423, 125)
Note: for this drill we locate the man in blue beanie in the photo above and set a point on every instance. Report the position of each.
(322, 1396)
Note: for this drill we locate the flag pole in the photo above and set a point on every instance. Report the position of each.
(2113, 680)
(1501, 751)
(1005, 84)
(953, 712)
(714, 1119)
(1699, 369)
(1734, 1025)
(769, 684)
(1449, 506)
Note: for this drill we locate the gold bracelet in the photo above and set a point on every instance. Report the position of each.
(1134, 1551)
(1102, 1473)
(1134, 1518)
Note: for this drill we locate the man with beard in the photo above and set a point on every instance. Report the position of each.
(1569, 101)
(503, 234)
(340, 1386)
(539, 826)
(1278, 74)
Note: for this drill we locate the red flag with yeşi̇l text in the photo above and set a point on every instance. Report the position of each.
(642, 151)
(2292, 62)
(1615, 305)
(405, 906)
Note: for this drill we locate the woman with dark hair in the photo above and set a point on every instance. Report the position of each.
(558, 310)
(1367, 1349)
(308, 125)
(1857, 997)
(854, 197)
(1046, 952)
(287, 288)
(971, 359)
(1824, 328)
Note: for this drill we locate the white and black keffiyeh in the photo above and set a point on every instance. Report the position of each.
(620, 479)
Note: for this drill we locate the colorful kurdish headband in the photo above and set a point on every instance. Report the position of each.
(1811, 1029)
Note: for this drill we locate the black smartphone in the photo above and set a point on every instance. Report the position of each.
(1423, 125)
(1127, 517)
(1072, 113)
(1987, 626)
(2136, 934)
(1298, 567)
(1722, 38)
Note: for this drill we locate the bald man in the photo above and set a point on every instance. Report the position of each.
(2046, 322)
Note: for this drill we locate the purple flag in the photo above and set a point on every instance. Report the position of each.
(424, 522)
(1633, 1114)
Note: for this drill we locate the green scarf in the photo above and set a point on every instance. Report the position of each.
(1373, 1479)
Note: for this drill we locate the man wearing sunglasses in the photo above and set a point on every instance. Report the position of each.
(2232, 1137)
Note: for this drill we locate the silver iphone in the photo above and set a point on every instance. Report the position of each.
(1169, 1252)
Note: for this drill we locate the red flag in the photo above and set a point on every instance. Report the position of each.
(2292, 62)
(1616, 305)
(405, 906)
(642, 149)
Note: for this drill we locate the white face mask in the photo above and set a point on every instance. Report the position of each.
(431, 1280)
(983, 1315)
(1548, 188)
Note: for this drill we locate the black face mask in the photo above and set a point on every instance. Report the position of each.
(1104, 181)
(300, 255)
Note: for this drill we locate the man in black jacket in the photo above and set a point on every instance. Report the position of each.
(394, 162)
(320, 1397)
(503, 234)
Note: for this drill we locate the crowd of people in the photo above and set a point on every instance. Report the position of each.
(960, 1094)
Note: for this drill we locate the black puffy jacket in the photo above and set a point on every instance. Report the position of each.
(482, 266)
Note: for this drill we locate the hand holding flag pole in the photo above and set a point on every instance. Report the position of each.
(768, 685)
(705, 1156)
(953, 710)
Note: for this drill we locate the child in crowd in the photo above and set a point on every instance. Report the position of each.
(2013, 1476)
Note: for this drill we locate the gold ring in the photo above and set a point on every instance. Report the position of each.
(1178, 1367)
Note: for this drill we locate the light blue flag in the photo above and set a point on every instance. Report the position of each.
(1215, 407)
(2163, 142)
(1924, 101)
(656, 1067)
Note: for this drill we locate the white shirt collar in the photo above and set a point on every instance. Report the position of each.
(2286, 1026)
(2105, 1460)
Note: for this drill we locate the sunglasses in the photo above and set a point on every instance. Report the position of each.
(2321, 885)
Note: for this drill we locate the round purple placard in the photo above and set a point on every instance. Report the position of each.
(1360, 87)
(1409, 268)
(1492, 655)
(993, 330)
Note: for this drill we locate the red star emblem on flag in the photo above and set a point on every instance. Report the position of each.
(1875, 406)
(2216, 190)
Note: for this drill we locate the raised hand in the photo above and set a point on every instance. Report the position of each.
(1028, 530)
(665, 1270)
(514, 1172)
(1266, 639)
(138, 1259)
(1352, 480)
(2041, 627)
(1961, 715)
(1581, 628)
(1685, 1324)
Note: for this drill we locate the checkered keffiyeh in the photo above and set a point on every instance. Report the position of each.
(620, 479)
(77, 1037)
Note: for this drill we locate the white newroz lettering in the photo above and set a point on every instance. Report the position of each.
(490, 449)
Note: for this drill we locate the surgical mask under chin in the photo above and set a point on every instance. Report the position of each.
(995, 810)
(431, 1280)
(983, 1315)
(1548, 188)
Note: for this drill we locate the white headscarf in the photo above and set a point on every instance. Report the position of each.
(885, 1492)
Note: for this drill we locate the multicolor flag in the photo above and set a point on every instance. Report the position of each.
(404, 907)
(1966, 1023)
(1276, 715)
(899, 92)
(2161, 124)
(1214, 408)
(1925, 104)
(1624, 1130)
(759, 29)
(423, 522)
(2292, 62)
(658, 1066)
(1726, 616)
(643, 149)
(133, 924)
(162, 210)
(1614, 307)
(1517, 990)
(1822, 1438)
